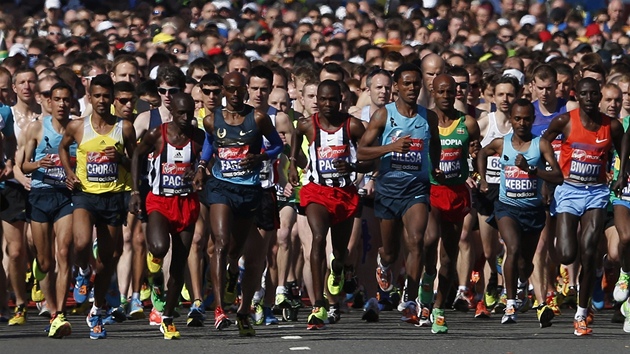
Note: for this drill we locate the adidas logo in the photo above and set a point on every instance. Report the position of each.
(178, 155)
(102, 142)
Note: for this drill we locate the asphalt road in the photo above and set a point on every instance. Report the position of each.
(351, 335)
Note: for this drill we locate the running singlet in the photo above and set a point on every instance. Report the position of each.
(583, 157)
(454, 157)
(49, 145)
(518, 188)
(269, 169)
(625, 193)
(405, 175)
(326, 147)
(97, 173)
(541, 123)
(168, 167)
(231, 144)
(493, 166)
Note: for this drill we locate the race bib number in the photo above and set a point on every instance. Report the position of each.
(265, 170)
(326, 155)
(493, 169)
(451, 162)
(412, 160)
(230, 158)
(519, 184)
(56, 175)
(100, 168)
(586, 165)
(173, 181)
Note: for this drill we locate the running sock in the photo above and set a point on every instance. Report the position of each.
(521, 284)
(511, 303)
(281, 290)
(167, 320)
(85, 271)
(95, 311)
(462, 288)
(135, 296)
(581, 312)
(258, 295)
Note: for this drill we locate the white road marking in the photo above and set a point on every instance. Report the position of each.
(291, 337)
(300, 348)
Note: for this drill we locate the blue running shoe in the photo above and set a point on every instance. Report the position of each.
(136, 310)
(598, 294)
(196, 315)
(82, 288)
(270, 319)
(113, 294)
(97, 330)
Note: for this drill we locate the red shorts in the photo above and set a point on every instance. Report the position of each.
(342, 202)
(180, 211)
(453, 202)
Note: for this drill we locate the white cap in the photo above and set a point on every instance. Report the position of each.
(325, 9)
(52, 4)
(104, 26)
(220, 4)
(429, 4)
(515, 74)
(153, 73)
(527, 20)
(341, 12)
(252, 55)
(18, 48)
(252, 6)
(503, 21)
(538, 46)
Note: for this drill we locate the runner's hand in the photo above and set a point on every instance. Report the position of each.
(135, 204)
(521, 162)
(250, 161)
(438, 175)
(112, 154)
(46, 162)
(293, 176)
(369, 188)
(401, 145)
(72, 181)
(288, 190)
(619, 185)
(343, 167)
(198, 179)
(483, 186)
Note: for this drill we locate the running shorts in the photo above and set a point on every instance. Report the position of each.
(530, 220)
(267, 215)
(577, 199)
(50, 204)
(395, 208)
(14, 200)
(453, 202)
(341, 202)
(485, 201)
(106, 207)
(241, 198)
(180, 211)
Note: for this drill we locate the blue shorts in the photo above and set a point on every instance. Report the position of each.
(243, 199)
(577, 199)
(50, 204)
(109, 208)
(621, 202)
(530, 220)
(395, 208)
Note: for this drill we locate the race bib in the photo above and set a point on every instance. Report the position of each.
(230, 158)
(412, 160)
(100, 168)
(519, 184)
(493, 169)
(451, 162)
(56, 175)
(326, 155)
(173, 181)
(586, 165)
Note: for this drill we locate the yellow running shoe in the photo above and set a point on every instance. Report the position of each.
(59, 327)
(153, 264)
(19, 316)
(169, 331)
(37, 295)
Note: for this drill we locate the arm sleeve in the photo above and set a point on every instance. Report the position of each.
(276, 145)
(207, 150)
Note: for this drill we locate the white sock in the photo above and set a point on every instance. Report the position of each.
(95, 311)
(258, 295)
(581, 312)
(281, 290)
(135, 296)
(462, 288)
(85, 271)
(511, 303)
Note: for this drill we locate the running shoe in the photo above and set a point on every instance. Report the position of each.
(19, 316)
(145, 291)
(625, 311)
(590, 316)
(37, 295)
(425, 317)
(185, 293)
(317, 318)
(158, 297)
(580, 326)
(425, 292)
(258, 314)
(491, 298)
(82, 288)
(461, 302)
(509, 315)
(351, 283)
(439, 322)
(482, 311)
(371, 311)
(282, 301)
(97, 329)
(245, 329)
(384, 276)
(230, 292)
(155, 317)
(44, 311)
(552, 302)
(335, 281)
(154, 265)
(196, 314)
(523, 302)
(59, 327)
(622, 291)
(334, 314)
(38, 274)
(270, 319)
(409, 312)
(169, 330)
(117, 314)
(545, 315)
(136, 310)
(221, 321)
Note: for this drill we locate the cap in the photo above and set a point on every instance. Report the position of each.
(104, 26)
(341, 12)
(325, 9)
(162, 38)
(251, 6)
(52, 4)
(252, 55)
(583, 47)
(18, 48)
(592, 30)
(153, 72)
(129, 47)
(222, 4)
(527, 20)
(429, 4)
(544, 35)
(517, 74)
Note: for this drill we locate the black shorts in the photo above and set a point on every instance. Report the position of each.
(610, 220)
(282, 202)
(50, 204)
(109, 208)
(244, 200)
(530, 220)
(395, 208)
(267, 215)
(144, 190)
(14, 201)
(485, 201)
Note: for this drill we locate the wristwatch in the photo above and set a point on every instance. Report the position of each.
(532, 170)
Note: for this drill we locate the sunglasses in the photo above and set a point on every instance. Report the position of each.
(462, 85)
(124, 101)
(157, 13)
(207, 92)
(170, 91)
(52, 33)
(46, 94)
(177, 51)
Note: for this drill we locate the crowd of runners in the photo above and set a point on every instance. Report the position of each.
(269, 161)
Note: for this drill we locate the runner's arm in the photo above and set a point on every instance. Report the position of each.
(129, 135)
(369, 146)
(146, 146)
(357, 130)
(556, 127)
(495, 147)
(30, 144)
(622, 146)
(554, 175)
